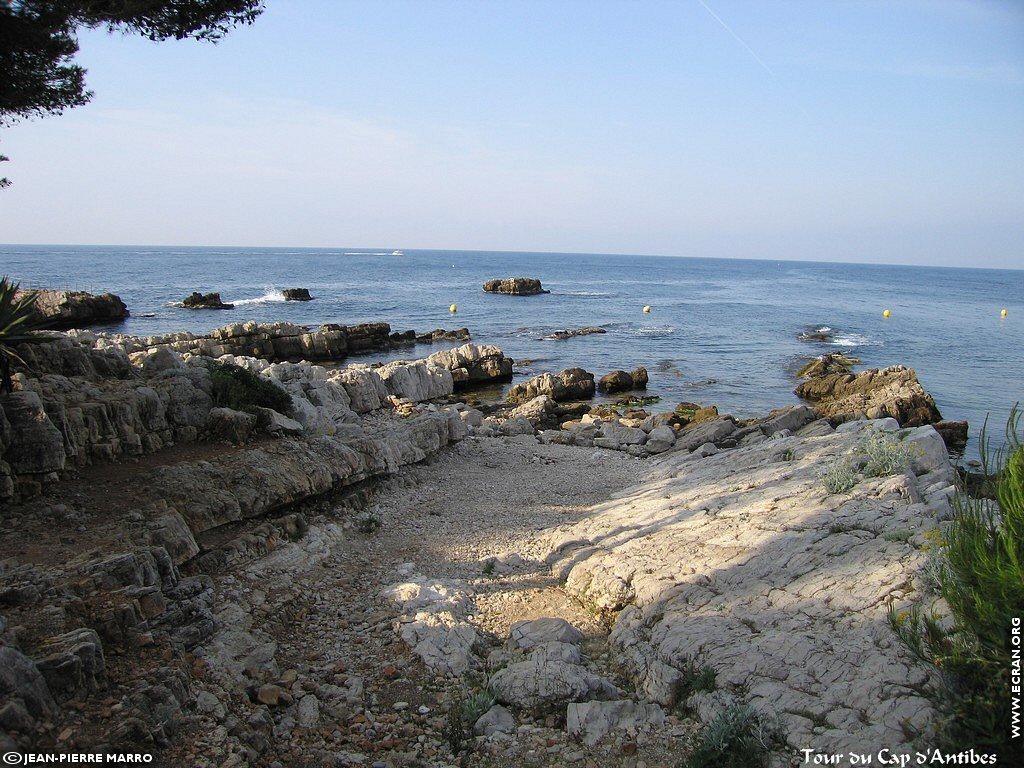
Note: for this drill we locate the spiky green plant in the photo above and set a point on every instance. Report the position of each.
(981, 578)
(740, 737)
(17, 320)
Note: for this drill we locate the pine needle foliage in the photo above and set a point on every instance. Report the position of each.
(981, 578)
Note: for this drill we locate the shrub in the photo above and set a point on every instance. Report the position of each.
(981, 577)
(739, 737)
(839, 475)
(241, 389)
(368, 522)
(883, 454)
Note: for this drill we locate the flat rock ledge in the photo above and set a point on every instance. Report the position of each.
(742, 562)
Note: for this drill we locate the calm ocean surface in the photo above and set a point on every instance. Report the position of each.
(721, 332)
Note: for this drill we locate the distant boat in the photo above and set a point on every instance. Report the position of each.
(397, 253)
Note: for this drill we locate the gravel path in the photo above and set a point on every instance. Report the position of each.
(316, 605)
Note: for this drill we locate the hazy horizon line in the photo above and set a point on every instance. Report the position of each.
(382, 248)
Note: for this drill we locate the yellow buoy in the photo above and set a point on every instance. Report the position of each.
(1003, 313)
(885, 313)
(453, 309)
(647, 308)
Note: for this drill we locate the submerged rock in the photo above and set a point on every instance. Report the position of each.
(572, 333)
(515, 286)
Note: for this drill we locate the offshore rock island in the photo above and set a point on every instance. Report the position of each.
(243, 548)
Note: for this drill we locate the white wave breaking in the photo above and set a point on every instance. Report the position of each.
(271, 296)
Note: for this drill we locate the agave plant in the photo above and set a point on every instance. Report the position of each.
(17, 319)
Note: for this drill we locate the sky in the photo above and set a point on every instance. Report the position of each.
(852, 131)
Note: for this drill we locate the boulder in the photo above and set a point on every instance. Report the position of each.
(297, 294)
(570, 384)
(35, 445)
(156, 360)
(74, 666)
(482, 364)
(438, 334)
(75, 309)
(366, 390)
(277, 424)
(620, 381)
(416, 381)
(530, 634)
(877, 393)
(205, 301)
(496, 720)
(540, 412)
(21, 680)
(660, 439)
(592, 720)
(705, 432)
(954, 434)
(231, 425)
(544, 683)
(515, 286)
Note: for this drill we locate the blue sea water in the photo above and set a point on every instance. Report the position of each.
(720, 332)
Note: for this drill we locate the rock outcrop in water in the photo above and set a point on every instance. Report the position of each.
(60, 310)
(515, 286)
(198, 300)
(296, 294)
(872, 394)
(570, 384)
(621, 381)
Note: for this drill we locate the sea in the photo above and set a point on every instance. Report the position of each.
(723, 332)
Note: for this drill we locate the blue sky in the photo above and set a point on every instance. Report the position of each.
(836, 131)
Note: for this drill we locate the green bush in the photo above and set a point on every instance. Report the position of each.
(981, 578)
(738, 738)
(241, 389)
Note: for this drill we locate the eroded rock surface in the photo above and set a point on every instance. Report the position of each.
(742, 562)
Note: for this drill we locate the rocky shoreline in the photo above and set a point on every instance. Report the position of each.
(382, 574)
